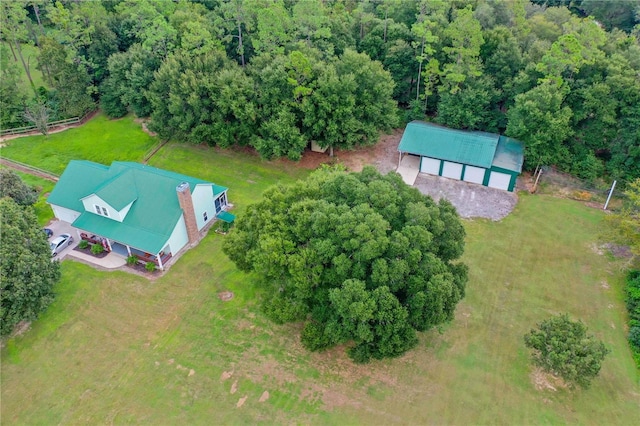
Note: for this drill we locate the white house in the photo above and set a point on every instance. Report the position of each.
(133, 209)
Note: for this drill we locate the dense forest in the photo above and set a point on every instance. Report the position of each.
(563, 76)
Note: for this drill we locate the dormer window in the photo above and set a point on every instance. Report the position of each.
(101, 210)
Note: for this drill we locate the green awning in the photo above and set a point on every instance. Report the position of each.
(226, 217)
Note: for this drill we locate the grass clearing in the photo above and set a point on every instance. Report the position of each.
(116, 348)
(30, 54)
(101, 140)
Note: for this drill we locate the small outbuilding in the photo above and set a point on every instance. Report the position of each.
(484, 158)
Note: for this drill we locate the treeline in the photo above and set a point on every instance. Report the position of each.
(276, 74)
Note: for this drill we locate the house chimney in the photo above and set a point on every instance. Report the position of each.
(186, 203)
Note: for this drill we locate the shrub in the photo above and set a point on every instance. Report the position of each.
(225, 226)
(83, 244)
(634, 337)
(563, 347)
(150, 266)
(131, 260)
(97, 249)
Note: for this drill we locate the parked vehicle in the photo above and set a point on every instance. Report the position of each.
(60, 243)
(48, 232)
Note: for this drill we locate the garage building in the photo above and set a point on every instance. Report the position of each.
(478, 157)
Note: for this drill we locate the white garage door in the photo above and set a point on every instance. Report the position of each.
(452, 170)
(430, 165)
(499, 180)
(474, 174)
(64, 214)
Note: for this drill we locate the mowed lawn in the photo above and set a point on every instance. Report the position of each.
(117, 348)
(100, 140)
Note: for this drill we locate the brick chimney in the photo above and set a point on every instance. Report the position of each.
(186, 203)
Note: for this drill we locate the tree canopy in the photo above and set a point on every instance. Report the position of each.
(27, 274)
(563, 347)
(359, 257)
(560, 75)
(12, 186)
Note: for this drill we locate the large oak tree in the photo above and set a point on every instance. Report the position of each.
(361, 258)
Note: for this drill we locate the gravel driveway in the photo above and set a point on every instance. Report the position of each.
(471, 200)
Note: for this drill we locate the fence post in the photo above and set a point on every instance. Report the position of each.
(535, 185)
(610, 194)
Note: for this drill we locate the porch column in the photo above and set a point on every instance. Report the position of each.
(109, 245)
(399, 158)
(159, 261)
(128, 250)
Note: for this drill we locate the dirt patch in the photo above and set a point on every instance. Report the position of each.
(234, 387)
(546, 381)
(619, 251)
(264, 396)
(241, 401)
(471, 200)
(143, 123)
(225, 296)
(226, 375)
(383, 155)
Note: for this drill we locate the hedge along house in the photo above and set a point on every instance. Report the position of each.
(137, 210)
(484, 158)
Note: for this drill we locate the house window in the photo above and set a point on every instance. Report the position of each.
(204, 215)
(105, 212)
(221, 202)
(97, 207)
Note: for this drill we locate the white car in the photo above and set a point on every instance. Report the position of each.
(59, 243)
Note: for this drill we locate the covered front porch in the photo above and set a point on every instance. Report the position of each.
(160, 259)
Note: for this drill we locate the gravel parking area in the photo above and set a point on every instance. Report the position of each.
(469, 199)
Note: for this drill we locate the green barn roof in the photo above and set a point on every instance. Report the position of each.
(430, 140)
(153, 215)
(509, 154)
(474, 148)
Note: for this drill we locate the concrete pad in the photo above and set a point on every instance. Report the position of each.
(469, 199)
(110, 261)
(409, 168)
(59, 227)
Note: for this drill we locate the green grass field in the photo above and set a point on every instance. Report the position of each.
(100, 140)
(117, 348)
(30, 55)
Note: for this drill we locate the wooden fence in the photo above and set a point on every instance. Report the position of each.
(27, 129)
(26, 168)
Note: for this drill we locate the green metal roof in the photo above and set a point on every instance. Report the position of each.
(217, 189)
(226, 216)
(509, 154)
(119, 191)
(430, 140)
(134, 236)
(153, 215)
(78, 180)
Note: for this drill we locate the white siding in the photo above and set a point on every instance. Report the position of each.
(64, 214)
(452, 170)
(93, 200)
(430, 165)
(202, 197)
(474, 174)
(123, 213)
(499, 180)
(178, 238)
